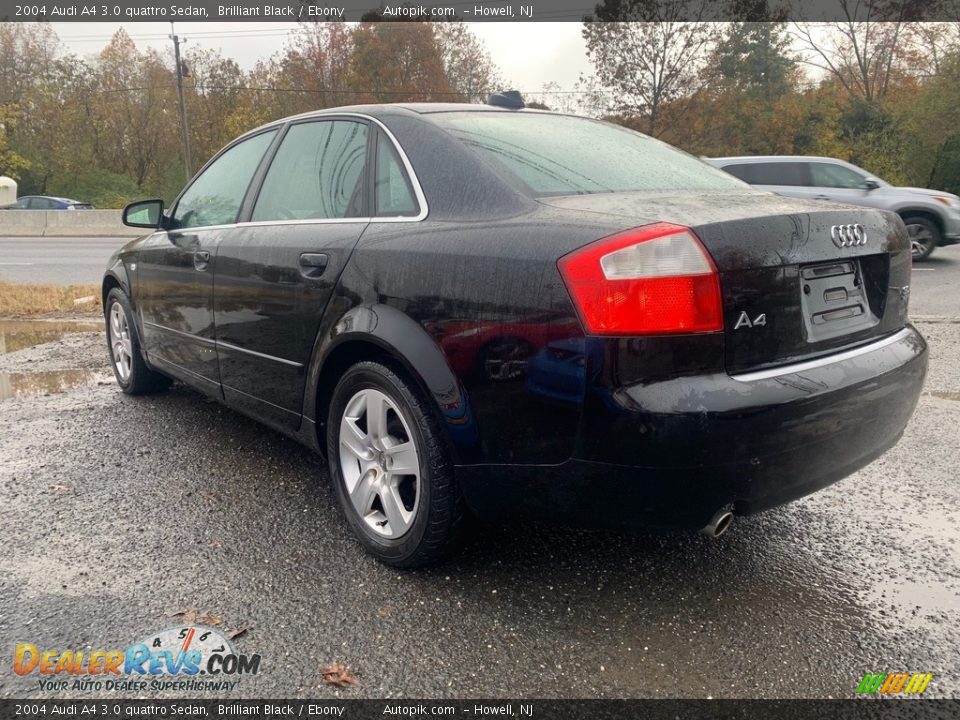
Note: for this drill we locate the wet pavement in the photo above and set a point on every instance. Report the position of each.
(38, 357)
(118, 512)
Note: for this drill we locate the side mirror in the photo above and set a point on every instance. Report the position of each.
(871, 183)
(144, 214)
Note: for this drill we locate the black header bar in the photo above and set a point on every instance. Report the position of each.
(225, 709)
(478, 10)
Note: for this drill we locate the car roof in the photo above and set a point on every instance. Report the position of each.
(52, 197)
(773, 158)
(379, 110)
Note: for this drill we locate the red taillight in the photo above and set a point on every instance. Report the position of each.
(652, 280)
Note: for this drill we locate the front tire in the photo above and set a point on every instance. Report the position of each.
(924, 236)
(391, 470)
(123, 345)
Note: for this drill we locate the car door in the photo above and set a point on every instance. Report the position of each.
(174, 294)
(842, 184)
(276, 272)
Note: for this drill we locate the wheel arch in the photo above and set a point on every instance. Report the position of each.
(931, 215)
(110, 281)
(384, 334)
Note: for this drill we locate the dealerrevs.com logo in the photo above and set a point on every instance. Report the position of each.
(191, 658)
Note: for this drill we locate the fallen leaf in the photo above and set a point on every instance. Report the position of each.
(192, 617)
(336, 673)
(238, 632)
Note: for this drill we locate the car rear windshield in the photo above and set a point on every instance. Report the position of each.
(566, 155)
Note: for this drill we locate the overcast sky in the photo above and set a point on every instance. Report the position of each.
(528, 54)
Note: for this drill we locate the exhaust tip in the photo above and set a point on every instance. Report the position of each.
(718, 524)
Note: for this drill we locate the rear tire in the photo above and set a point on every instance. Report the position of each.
(123, 347)
(924, 236)
(377, 428)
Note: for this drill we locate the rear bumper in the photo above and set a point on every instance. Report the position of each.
(669, 454)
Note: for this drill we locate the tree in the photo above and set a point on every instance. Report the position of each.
(11, 163)
(755, 58)
(466, 63)
(312, 73)
(27, 54)
(215, 87)
(135, 111)
(397, 62)
(864, 55)
(648, 57)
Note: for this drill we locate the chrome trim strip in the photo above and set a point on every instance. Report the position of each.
(414, 182)
(230, 346)
(220, 344)
(824, 361)
(189, 336)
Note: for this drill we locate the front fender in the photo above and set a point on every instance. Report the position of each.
(405, 341)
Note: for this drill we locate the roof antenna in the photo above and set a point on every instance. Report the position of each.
(511, 99)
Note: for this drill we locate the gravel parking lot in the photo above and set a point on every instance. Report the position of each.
(118, 512)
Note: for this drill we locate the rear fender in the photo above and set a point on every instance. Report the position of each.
(384, 330)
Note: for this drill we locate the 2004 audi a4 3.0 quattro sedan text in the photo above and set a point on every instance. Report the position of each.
(493, 311)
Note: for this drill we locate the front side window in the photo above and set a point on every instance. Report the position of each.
(565, 155)
(216, 195)
(836, 176)
(391, 185)
(317, 173)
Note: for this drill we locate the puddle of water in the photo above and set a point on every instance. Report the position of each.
(20, 384)
(927, 596)
(946, 395)
(19, 334)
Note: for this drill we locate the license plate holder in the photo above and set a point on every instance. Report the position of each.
(833, 300)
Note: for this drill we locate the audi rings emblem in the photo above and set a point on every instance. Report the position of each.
(848, 235)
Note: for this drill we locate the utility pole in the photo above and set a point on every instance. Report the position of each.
(183, 106)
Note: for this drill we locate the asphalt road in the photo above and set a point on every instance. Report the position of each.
(57, 261)
(117, 512)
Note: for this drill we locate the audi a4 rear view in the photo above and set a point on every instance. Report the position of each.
(478, 311)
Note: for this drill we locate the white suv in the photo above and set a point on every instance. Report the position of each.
(932, 217)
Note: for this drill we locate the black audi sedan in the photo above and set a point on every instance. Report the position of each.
(504, 313)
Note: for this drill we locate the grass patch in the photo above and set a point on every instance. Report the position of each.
(18, 299)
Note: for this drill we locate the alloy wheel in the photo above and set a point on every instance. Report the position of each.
(120, 345)
(380, 463)
(921, 238)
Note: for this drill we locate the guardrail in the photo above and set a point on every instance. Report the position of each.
(64, 223)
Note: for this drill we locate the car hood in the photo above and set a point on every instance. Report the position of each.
(926, 192)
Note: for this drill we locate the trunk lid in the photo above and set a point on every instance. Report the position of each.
(789, 292)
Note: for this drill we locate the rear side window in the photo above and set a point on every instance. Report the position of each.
(316, 174)
(564, 155)
(770, 173)
(835, 176)
(394, 196)
(215, 196)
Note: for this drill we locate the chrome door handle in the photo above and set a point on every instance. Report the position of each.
(313, 265)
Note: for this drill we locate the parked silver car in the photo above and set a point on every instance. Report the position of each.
(932, 217)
